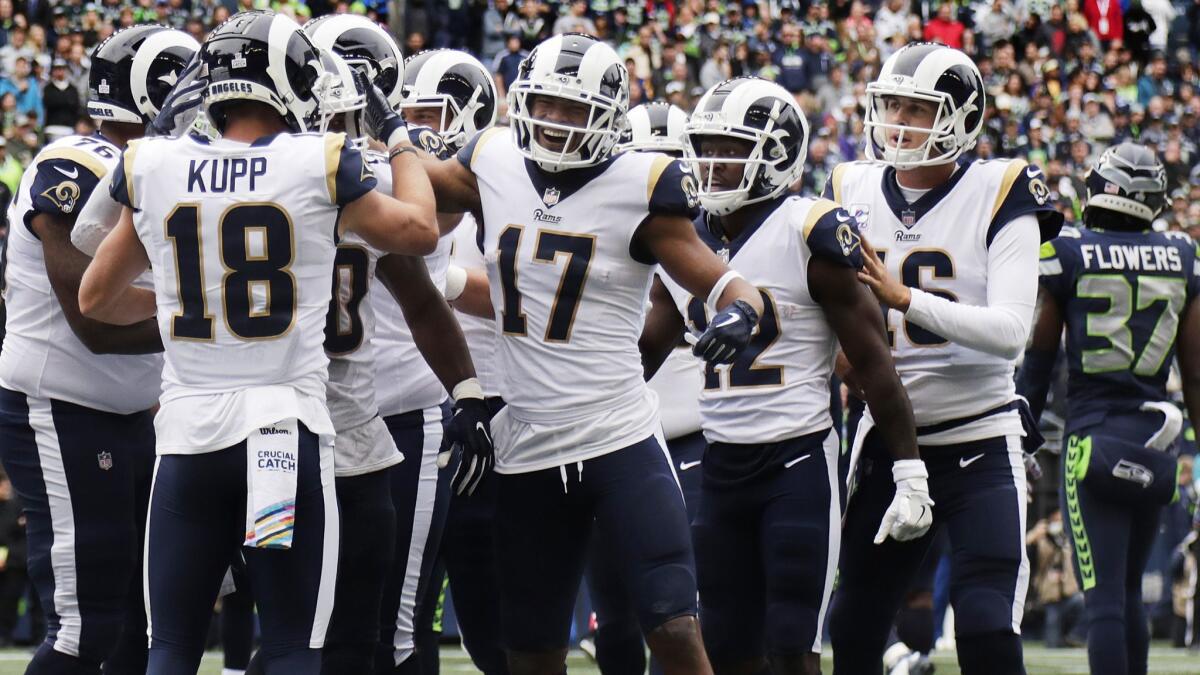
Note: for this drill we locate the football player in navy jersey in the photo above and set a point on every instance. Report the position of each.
(1125, 295)
(767, 528)
(76, 431)
(951, 253)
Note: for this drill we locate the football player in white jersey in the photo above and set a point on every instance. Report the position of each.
(571, 238)
(422, 328)
(242, 235)
(951, 251)
(768, 524)
(76, 434)
(454, 94)
(619, 648)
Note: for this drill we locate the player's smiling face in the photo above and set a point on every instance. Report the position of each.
(909, 112)
(560, 111)
(724, 175)
(429, 116)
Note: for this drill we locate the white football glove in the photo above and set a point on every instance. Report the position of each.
(911, 512)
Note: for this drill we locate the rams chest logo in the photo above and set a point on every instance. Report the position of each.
(64, 195)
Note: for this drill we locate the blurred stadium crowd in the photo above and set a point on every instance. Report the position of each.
(1065, 79)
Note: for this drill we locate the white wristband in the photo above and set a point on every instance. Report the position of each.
(906, 469)
(400, 135)
(718, 288)
(456, 282)
(468, 388)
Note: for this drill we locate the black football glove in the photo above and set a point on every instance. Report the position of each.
(182, 105)
(728, 333)
(470, 430)
(382, 123)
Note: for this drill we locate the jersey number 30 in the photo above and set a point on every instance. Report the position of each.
(248, 269)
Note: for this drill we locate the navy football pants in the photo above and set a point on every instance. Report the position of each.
(1112, 542)
(978, 489)
(420, 496)
(197, 525)
(545, 520)
(83, 477)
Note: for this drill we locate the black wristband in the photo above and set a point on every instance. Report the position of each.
(400, 151)
(747, 311)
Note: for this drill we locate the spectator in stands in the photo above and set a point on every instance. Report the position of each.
(944, 28)
(1054, 581)
(493, 39)
(796, 64)
(24, 86)
(575, 20)
(61, 101)
(506, 65)
(995, 22)
(1096, 124)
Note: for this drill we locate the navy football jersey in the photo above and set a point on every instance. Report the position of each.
(1121, 295)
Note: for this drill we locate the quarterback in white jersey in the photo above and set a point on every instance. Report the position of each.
(241, 233)
(76, 432)
(571, 234)
(770, 468)
(951, 252)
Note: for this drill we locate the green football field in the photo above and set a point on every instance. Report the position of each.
(1039, 661)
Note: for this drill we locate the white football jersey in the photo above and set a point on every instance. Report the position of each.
(480, 332)
(42, 357)
(940, 244)
(570, 297)
(363, 444)
(403, 380)
(677, 384)
(778, 388)
(242, 240)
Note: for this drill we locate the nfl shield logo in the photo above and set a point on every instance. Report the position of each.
(104, 459)
(550, 196)
(908, 217)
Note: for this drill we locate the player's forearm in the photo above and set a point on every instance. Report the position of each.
(121, 307)
(434, 327)
(892, 411)
(476, 296)
(440, 340)
(996, 330)
(411, 186)
(740, 289)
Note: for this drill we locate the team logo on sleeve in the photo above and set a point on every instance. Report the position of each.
(691, 193)
(431, 143)
(64, 195)
(847, 238)
(1037, 185)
